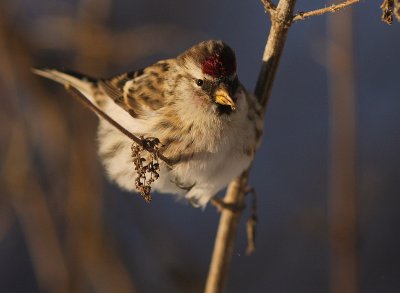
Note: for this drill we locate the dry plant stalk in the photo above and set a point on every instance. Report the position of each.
(281, 19)
(390, 8)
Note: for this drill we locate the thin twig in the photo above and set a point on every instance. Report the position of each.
(332, 8)
(235, 194)
(142, 142)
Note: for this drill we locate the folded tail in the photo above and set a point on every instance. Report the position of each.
(83, 83)
(93, 90)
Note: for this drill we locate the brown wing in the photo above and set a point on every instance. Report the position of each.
(138, 92)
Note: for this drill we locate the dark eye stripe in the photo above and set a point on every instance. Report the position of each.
(207, 86)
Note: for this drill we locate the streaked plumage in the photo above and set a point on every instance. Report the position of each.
(194, 104)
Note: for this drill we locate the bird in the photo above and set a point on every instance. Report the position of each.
(207, 123)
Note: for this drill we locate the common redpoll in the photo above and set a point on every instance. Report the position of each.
(206, 121)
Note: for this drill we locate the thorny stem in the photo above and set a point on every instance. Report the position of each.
(281, 19)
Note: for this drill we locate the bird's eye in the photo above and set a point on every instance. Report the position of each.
(199, 82)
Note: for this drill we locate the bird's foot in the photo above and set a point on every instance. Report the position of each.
(221, 206)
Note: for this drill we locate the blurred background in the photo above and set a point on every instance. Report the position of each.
(327, 175)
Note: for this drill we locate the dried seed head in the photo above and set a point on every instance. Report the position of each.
(390, 8)
(146, 173)
(396, 10)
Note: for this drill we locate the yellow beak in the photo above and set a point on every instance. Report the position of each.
(222, 97)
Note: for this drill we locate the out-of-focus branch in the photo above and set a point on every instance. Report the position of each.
(96, 264)
(330, 9)
(88, 242)
(90, 262)
(342, 192)
(20, 181)
(65, 33)
(31, 208)
(235, 194)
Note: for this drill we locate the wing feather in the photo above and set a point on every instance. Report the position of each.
(140, 92)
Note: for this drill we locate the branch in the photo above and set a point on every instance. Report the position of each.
(20, 181)
(332, 8)
(269, 7)
(235, 194)
(224, 242)
(342, 194)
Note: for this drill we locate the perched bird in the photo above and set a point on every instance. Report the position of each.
(208, 124)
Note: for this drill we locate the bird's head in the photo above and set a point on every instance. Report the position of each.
(210, 74)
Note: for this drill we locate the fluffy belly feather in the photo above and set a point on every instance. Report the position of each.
(197, 179)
